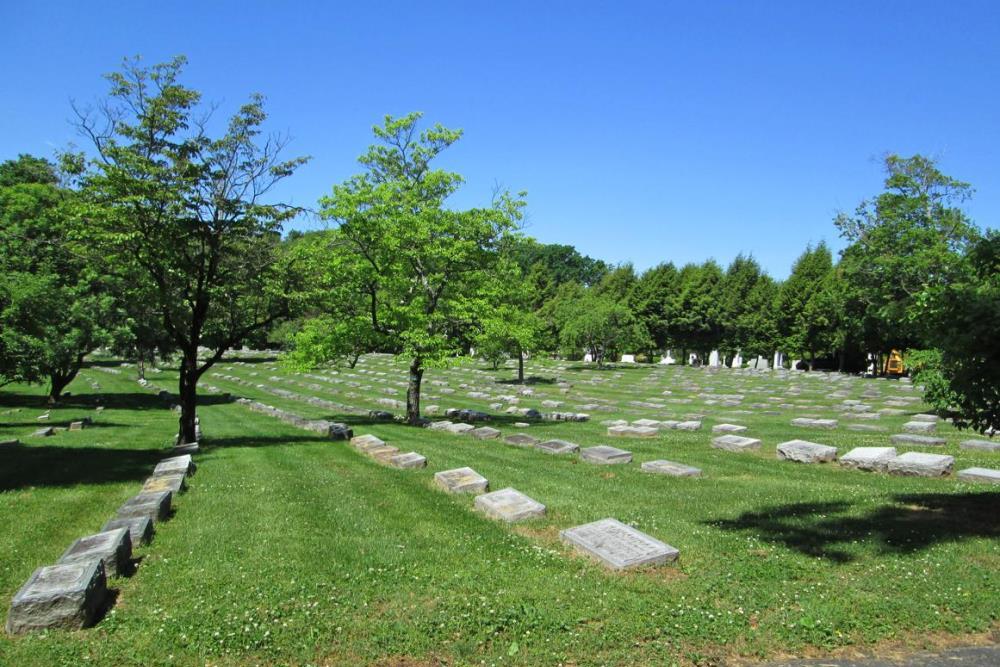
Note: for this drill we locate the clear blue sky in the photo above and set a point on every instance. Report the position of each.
(642, 132)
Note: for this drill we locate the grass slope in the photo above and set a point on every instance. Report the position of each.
(289, 549)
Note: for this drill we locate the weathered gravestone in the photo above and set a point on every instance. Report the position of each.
(921, 465)
(408, 460)
(913, 439)
(981, 445)
(618, 546)
(485, 433)
(155, 506)
(140, 528)
(663, 467)
(868, 458)
(509, 505)
(919, 427)
(459, 428)
(728, 428)
(112, 547)
(735, 443)
(521, 440)
(558, 447)
(605, 455)
(803, 451)
(461, 480)
(67, 596)
(980, 475)
(182, 464)
(815, 423)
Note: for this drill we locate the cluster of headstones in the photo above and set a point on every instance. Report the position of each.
(328, 429)
(77, 425)
(72, 593)
(385, 453)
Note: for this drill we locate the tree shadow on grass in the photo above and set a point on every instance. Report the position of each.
(44, 466)
(530, 380)
(911, 523)
(264, 441)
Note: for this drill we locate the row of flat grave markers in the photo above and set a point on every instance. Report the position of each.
(73, 593)
(614, 544)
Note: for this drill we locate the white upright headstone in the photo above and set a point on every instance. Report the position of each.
(737, 361)
(713, 358)
(668, 360)
(628, 358)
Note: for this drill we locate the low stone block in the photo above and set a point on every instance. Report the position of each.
(923, 417)
(558, 447)
(521, 440)
(67, 596)
(803, 451)
(736, 443)
(140, 528)
(815, 423)
(459, 429)
(154, 505)
(367, 440)
(182, 464)
(979, 445)
(408, 460)
(509, 505)
(605, 455)
(461, 480)
(663, 467)
(618, 546)
(439, 425)
(867, 428)
(173, 482)
(44, 432)
(485, 433)
(913, 439)
(652, 423)
(76, 426)
(113, 547)
(987, 475)
(690, 425)
(919, 427)
(382, 452)
(869, 458)
(728, 428)
(921, 465)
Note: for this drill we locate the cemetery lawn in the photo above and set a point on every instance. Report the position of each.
(292, 549)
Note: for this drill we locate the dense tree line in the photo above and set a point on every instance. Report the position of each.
(162, 240)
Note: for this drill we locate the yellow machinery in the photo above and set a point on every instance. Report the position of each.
(894, 364)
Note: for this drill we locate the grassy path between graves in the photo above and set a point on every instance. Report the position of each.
(289, 549)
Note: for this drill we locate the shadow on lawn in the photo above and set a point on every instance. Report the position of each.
(911, 523)
(22, 467)
(264, 441)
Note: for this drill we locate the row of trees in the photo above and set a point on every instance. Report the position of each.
(163, 240)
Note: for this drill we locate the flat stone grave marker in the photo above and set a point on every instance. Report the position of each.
(44, 432)
(140, 528)
(113, 547)
(461, 480)
(728, 428)
(867, 428)
(408, 460)
(980, 475)
(618, 546)
(981, 445)
(485, 433)
(439, 425)
(913, 439)
(521, 440)
(175, 483)
(803, 451)
(382, 452)
(366, 440)
(663, 467)
(869, 458)
(182, 464)
(154, 505)
(633, 431)
(558, 447)
(920, 464)
(76, 426)
(67, 596)
(509, 505)
(690, 425)
(923, 417)
(605, 455)
(919, 427)
(735, 443)
(815, 423)
(459, 429)
(646, 422)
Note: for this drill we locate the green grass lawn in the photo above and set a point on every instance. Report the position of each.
(290, 549)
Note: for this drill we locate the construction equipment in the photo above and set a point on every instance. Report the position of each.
(894, 364)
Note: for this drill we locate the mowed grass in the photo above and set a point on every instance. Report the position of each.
(290, 549)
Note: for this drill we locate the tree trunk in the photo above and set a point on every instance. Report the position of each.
(413, 392)
(354, 361)
(58, 380)
(812, 359)
(520, 366)
(188, 392)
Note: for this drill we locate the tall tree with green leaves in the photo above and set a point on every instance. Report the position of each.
(187, 213)
(603, 327)
(696, 314)
(651, 298)
(55, 307)
(802, 332)
(434, 272)
(909, 238)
